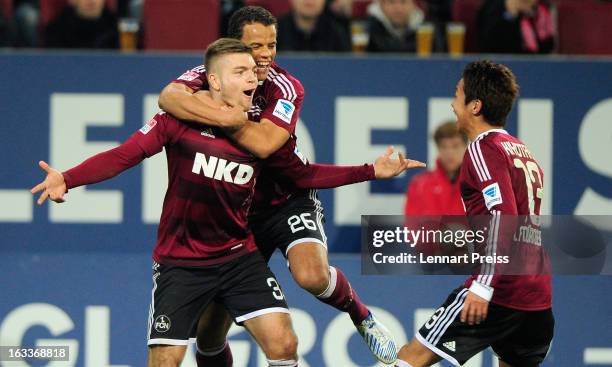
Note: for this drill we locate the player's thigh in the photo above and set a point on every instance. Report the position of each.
(213, 327)
(449, 338)
(309, 265)
(529, 343)
(250, 289)
(274, 333)
(300, 220)
(253, 297)
(166, 355)
(417, 354)
(179, 296)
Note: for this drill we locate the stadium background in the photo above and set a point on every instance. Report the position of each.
(79, 274)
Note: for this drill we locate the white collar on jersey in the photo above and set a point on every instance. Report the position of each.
(260, 82)
(485, 133)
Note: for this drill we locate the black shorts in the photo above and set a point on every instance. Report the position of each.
(296, 221)
(519, 338)
(245, 286)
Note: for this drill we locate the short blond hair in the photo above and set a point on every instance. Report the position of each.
(224, 46)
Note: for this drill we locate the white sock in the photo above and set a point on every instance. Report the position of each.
(332, 284)
(400, 363)
(282, 363)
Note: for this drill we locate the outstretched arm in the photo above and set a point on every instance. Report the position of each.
(148, 141)
(100, 167)
(293, 167)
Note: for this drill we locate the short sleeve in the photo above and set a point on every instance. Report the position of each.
(194, 79)
(284, 102)
(488, 170)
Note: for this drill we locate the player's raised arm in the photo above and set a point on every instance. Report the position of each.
(53, 187)
(292, 165)
(100, 167)
(182, 102)
(279, 115)
(262, 139)
(149, 140)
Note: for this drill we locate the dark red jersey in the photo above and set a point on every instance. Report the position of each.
(279, 99)
(210, 186)
(500, 178)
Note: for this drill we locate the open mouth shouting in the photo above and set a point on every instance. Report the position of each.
(249, 92)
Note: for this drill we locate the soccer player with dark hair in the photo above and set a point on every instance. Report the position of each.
(283, 216)
(499, 177)
(205, 250)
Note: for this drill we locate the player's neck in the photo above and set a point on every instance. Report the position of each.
(218, 98)
(478, 128)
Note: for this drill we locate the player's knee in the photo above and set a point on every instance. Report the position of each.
(213, 340)
(283, 346)
(313, 279)
(212, 345)
(417, 354)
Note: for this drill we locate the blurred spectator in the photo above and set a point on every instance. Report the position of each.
(393, 25)
(439, 11)
(342, 10)
(516, 26)
(438, 192)
(27, 15)
(5, 39)
(228, 7)
(310, 27)
(130, 9)
(84, 24)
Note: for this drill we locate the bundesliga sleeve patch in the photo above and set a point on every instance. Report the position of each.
(492, 195)
(148, 126)
(284, 110)
(189, 76)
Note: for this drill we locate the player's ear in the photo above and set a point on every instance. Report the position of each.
(476, 107)
(213, 82)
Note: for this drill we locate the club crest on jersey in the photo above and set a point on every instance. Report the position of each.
(284, 110)
(162, 323)
(148, 126)
(492, 195)
(222, 169)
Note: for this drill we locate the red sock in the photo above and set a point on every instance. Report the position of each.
(341, 295)
(218, 358)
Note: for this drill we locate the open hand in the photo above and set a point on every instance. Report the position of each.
(386, 167)
(53, 187)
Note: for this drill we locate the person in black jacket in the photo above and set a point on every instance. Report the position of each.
(516, 26)
(84, 24)
(311, 27)
(392, 25)
(5, 39)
